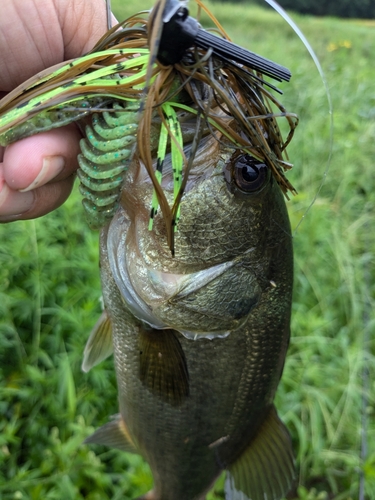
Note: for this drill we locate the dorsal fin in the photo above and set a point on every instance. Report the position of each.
(265, 470)
(99, 345)
(163, 368)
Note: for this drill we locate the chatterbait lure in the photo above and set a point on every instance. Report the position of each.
(155, 65)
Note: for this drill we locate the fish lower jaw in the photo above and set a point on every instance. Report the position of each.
(167, 287)
(145, 315)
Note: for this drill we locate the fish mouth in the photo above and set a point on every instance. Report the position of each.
(148, 291)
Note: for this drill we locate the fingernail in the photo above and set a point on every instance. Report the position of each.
(14, 202)
(51, 167)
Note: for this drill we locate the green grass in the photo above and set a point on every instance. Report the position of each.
(50, 296)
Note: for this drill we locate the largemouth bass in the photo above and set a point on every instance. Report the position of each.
(200, 338)
(200, 334)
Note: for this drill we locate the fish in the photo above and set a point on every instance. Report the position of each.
(200, 337)
(197, 311)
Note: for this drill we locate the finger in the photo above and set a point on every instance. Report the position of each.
(82, 26)
(32, 204)
(35, 161)
(34, 170)
(13, 203)
(36, 35)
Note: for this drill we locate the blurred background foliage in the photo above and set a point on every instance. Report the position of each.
(364, 9)
(50, 296)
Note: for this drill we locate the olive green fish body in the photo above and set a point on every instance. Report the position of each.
(200, 339)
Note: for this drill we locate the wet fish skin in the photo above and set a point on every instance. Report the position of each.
(209, 406)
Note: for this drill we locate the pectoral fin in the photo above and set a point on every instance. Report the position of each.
(113, 434)
(163, 368)
(266, 468)
(99, 345)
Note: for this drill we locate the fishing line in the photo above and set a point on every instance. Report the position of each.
(365, 360)
(323, 77)
(108, 14)
(366, 267)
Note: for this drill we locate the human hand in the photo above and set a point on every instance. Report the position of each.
(37, 173)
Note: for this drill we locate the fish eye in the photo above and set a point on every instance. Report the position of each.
(249, 173)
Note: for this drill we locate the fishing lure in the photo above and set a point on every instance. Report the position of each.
(105, 153)
(157, 65)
